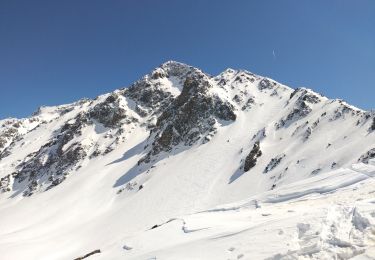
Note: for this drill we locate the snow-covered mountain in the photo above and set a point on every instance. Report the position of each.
(140, 173)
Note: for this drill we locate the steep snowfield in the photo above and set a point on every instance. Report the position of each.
(168, 151)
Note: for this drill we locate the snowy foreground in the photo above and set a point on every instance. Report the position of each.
(185, 165)
(329, 216)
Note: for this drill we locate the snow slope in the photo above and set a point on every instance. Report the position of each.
(168, 151)
(329, 216)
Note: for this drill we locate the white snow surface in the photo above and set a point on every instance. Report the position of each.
(197, 202)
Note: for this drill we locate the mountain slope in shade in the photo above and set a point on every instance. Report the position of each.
(97, 173)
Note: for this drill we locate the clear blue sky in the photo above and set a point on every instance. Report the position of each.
(55, 52)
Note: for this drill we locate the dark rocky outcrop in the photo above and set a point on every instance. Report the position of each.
(252, 157)
(301, 107)
(298, 112)
(249, 103)
(109, 112)
(274, 163)
(266, 84)
(7, 135)
(366, 157)
(306, 95)
(342, 111)
(150, 99)
(89, 254)
(372, 127)
(11, 132)
(149, 95)
(49, 166)
(307, 134)
(190, 117)
(5, 183)
(316, 171)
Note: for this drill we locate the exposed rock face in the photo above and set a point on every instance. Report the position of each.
(174, 102)
(150, 94)
(298, 112)
(5, 183)
(190, 117)
(266, 84)
(247, 106)
(50, 165)
(109, 113)
(307, 134)
(8, 132)
(365, 158)
(251, 158)
(176, 69)
(150, 99)
(12, 130)
(274, 163)
(306, 95)
(342, 111)
(372, 128)
(301, 107)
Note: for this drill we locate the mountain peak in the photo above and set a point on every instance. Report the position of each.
(174, 142)
(170, 69)
(173, 63)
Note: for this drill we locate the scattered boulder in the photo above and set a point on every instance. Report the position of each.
(333, 165)
(316, 171)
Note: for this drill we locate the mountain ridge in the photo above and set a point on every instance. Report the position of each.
(164, 64)
(176, 142)
(172, 91)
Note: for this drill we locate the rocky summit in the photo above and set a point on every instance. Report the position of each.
(181, 160)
